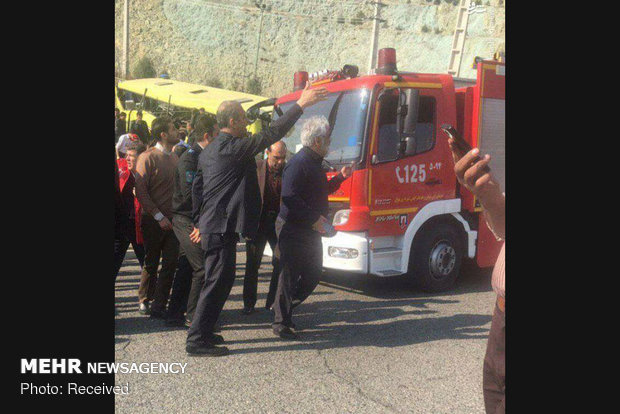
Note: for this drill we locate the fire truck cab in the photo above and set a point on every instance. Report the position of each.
(402, 211)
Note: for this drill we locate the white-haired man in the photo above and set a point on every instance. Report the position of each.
(300, 222)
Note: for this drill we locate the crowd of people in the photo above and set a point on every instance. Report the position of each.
(183, 198)
(184, 203)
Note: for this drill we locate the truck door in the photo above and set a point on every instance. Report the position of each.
(403, 183)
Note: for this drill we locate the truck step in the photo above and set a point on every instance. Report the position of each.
(387, 250)
(390, 272)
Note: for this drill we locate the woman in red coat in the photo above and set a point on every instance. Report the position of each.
(133, 236)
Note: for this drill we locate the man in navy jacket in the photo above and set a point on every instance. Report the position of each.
(300, 223)
(229, 200)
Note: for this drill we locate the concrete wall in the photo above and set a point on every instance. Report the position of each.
(198, 40)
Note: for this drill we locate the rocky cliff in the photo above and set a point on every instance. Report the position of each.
(202, 40)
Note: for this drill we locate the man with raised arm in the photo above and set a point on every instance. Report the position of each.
(229, 202)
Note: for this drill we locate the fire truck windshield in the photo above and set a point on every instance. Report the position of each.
(346, 112)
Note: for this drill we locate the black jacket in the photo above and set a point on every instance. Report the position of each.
(305, 189)
(183, 179)
(228, 192)
(191, 138)
(119, 129)
(142, 130)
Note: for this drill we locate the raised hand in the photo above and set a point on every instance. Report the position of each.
(311, 96)
(470, 172)
(346, 171)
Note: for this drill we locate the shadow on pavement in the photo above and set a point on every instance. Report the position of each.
(389, 334)
(140, 325)
(328, 312)
(359, 323)
(343, 323)
(118, 340)
(472, 279)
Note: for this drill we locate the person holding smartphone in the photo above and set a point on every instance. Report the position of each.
(473, 172)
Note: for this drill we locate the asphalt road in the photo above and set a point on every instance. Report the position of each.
(366, 346)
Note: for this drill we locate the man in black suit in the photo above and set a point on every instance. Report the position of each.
(190, 272)
(229, 201)
(141, 128)
(120, 128)
(269, 173)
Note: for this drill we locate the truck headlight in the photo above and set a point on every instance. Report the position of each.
(341, 217)
(342, 252)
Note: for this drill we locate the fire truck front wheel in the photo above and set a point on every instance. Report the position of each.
(435, 259)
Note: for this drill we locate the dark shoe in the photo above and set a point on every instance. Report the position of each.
(144, 308)
(209, 350)
(157, 314)
(217, 339)
(292, 326)
(284, 332)
(247, 311)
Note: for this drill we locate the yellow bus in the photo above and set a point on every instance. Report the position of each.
(158, 96)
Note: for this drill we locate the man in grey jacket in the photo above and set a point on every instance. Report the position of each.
(269, 174)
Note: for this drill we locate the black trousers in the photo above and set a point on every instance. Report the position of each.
(301, 259)
(177, 306)
(220, 267)
(255, 247)
(190, 273)
(157, 244)
(494, 368)
(121, 244)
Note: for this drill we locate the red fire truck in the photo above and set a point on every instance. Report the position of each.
(402, 211)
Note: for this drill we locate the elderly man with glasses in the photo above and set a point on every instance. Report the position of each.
(301, 222)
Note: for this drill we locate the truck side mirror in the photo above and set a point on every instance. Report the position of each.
(254, 112)
(407, 120)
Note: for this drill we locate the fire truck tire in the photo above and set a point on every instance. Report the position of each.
(436, 256)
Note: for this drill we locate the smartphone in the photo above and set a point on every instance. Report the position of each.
(462, 145)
